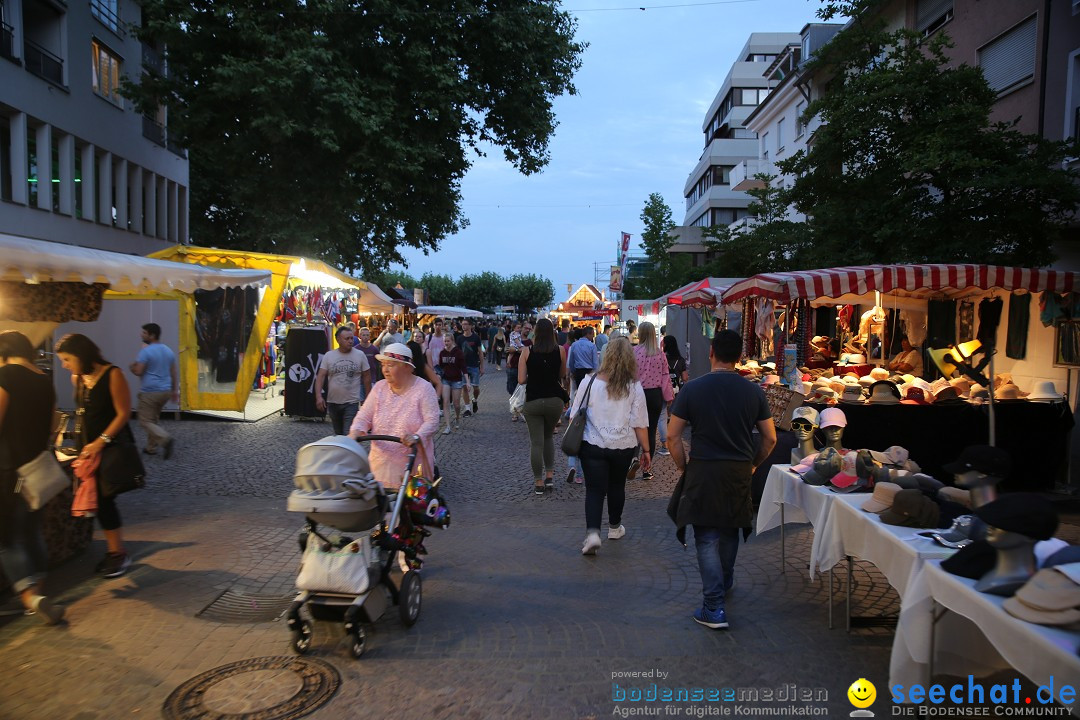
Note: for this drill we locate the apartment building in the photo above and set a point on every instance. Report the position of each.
(778, 122)
(78, 163)
(710, 198)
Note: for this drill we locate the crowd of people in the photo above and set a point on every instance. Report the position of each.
(631, 387)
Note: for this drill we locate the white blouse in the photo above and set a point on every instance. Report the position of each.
(610, 423)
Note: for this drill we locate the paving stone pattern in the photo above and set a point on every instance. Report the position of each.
(515, 622)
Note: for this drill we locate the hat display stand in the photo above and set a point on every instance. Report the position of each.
(1014, 566)
(958, 357)
(834, 437)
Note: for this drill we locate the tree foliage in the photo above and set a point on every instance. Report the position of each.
(908, 167)
(488, 290)
(341, 129)
(771, 242)
(666, 271)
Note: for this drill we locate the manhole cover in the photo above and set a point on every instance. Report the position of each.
(269, 688)
(232, 606)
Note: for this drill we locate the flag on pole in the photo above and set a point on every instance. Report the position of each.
(625, 242)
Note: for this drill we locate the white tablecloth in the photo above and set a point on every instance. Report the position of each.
(897, 552)
(802, 503)
(977, 637)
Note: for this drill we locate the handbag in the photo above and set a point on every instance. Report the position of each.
(517, 399)
(575, 431)
(41, 479)
(666, 389)
(121, 468)
(326, 568)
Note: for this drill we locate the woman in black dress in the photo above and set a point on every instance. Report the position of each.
(27, 402)
(104, 401)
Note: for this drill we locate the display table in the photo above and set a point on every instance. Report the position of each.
(935, 435)
(787, 498)
(975, 637)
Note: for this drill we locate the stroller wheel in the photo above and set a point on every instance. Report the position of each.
(301, 639)
(409, 598)
(357, 642)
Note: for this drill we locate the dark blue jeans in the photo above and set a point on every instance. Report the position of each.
(22, 548)
(341, 416)
(511, 380)
(716, 550)
(605, 477)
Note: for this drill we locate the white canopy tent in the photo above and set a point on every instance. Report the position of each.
(37, 261)
(447, 311)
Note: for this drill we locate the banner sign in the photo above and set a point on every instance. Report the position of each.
(615, 283)
(625, 243)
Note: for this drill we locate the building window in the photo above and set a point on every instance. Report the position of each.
(1009, 60)
(800, 126)
(764, 146)
(932, 14)
(107, 12)
(779, 134)
(106, 73)
(5, 159)
(43, 45)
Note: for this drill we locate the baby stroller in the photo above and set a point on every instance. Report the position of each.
(358, 575)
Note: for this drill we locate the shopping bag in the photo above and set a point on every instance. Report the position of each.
(517, 400)
(326, 568)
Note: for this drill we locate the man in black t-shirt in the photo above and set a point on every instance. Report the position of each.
(472, 346)
(722, 409)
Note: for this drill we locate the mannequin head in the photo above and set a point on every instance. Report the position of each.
(1006, 540)
(834, 436)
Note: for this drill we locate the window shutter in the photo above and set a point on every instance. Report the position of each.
(930, 11)
(1011, 58)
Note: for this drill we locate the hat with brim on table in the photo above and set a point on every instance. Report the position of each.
(960, 534)
(893, 456)
(1025, 513)
(1007, 391)
(911, 508)
(882, 499)
(947, 394)
(956, 495)
(879, 373)
(1050, 597)
(914, 396)
(1044, 391)
(396, 352)
(852, 395)
(883, 392)
(855, 473)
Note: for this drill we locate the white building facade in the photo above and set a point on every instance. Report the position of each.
(78, 163)
(710, 198)
(778, 122)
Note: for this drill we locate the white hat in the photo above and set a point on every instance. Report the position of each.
(1044, 391)
(771, 380)
(879, 373)
(396, 352)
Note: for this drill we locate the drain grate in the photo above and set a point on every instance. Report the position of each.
(237, 607)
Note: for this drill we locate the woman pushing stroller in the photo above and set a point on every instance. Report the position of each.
(402, 405)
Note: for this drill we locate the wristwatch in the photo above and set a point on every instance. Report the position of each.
(107, 439)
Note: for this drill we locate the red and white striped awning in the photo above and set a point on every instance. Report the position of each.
(697, 291)
(910, 279)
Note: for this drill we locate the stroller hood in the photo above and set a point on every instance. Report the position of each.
(329, 462)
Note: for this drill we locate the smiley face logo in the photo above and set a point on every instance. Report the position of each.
(862, 693)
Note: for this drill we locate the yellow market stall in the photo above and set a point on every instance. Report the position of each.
(203, 387)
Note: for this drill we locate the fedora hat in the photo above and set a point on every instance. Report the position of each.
(1044, 391)
(962, 385)
(914, 396)
(946, 394)
(883, 392)
(1008, 391)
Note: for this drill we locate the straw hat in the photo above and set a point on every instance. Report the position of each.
(879, 373)
(1008, 391)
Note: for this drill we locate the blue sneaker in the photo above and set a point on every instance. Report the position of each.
(715, 619)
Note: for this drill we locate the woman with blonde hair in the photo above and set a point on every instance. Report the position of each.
(652, 370)
(616, 424)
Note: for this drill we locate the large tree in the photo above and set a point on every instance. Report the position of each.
(665, 271)
(342, 129)
(908, 167)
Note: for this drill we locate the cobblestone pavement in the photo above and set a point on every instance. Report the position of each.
(515, 622)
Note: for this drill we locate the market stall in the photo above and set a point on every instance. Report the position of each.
(1031, 343)
(691, 314)
(223, 365)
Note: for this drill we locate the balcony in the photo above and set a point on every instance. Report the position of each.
(153, 131)
(152, 60)
(174, 147)
(108, 16)
(43, 63)
(7, 42)
(742, 176)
